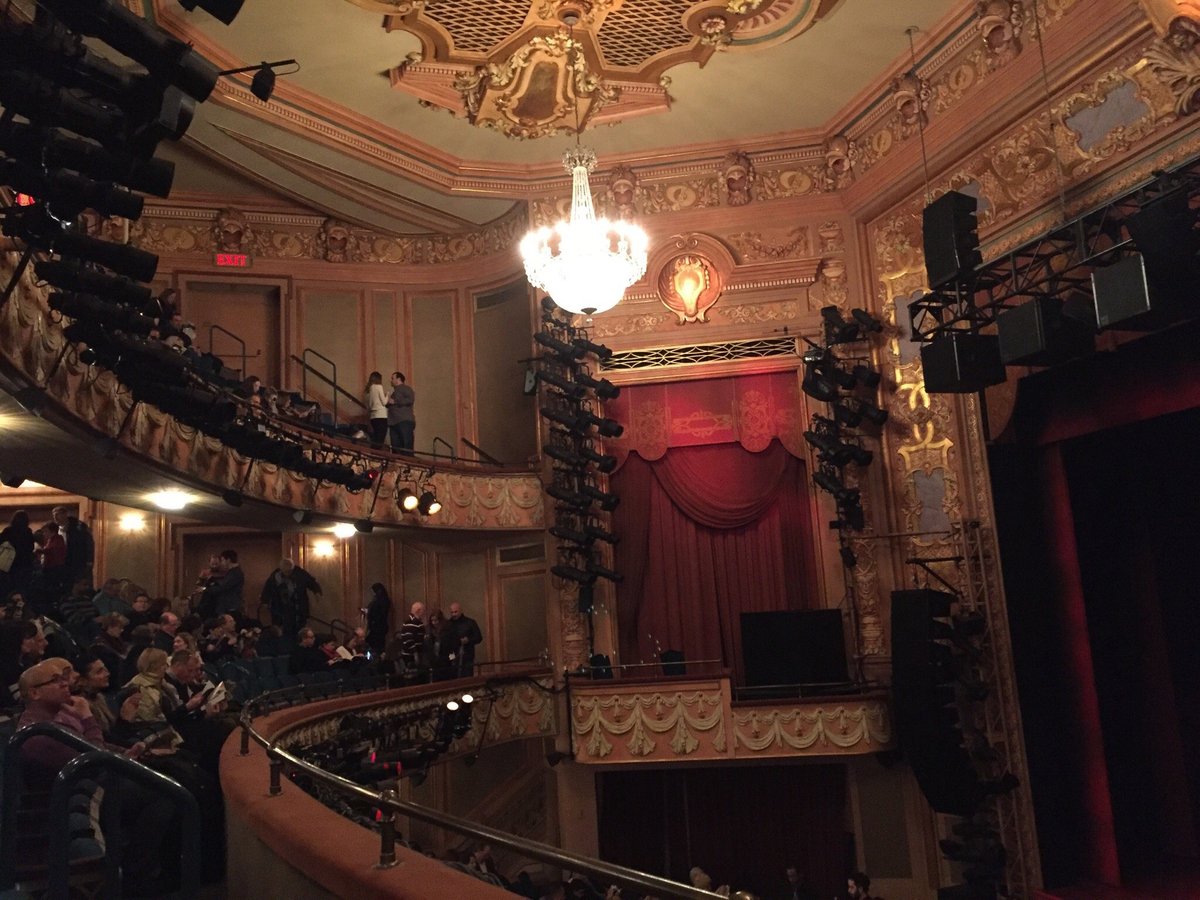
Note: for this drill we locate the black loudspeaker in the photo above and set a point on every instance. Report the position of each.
(601, 666)
(962, 362)
(925, 726)
(1038, 333)
(672, 662)
(950, 240)
(794, 647)
(1165, 234)
(1124, 298)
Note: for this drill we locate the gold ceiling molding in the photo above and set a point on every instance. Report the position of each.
(201, 232)
(513, 66)
(1175, 19)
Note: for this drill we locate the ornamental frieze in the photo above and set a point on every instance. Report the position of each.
(169, 231)
(692, 720)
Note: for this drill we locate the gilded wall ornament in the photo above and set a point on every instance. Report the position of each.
(1176, 20)
(737, 178)
(1000, 23)
(911, 96)
(685, 286)
(841, 154)
(621, 194)
(336, 243)
(231, 231)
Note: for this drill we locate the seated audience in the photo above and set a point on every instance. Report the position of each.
(109, 644)
(152, 667)
(168, 627)
(93, 681)
(308, 656)
(77, 611)
(140, 613)
(108, 599)
(220, 639)
(22, 645)
(140, 639)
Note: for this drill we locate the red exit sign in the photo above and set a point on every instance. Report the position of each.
(232, 260)
(25, 200)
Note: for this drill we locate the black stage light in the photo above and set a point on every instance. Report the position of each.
(32, 400)
(569, 497)
(570, 534)
(37, 226)
(232, 497)
(603, 461)
(844, 415)
(609, 428)
(866, 376)
(70, 193)
(851, 512)
(568, 387)
(58, 149)
(407, 499)
(224, 11)
(12, 480)
(837, 329)
(594, 531)
(604, 388)
(428, 504)
(262, 85)
(364, 526)
(607, 501)
(866, 321)
(849, 559)
(302, 517)
(564, 351)
(564, 456)
(566, 418)
(584, 346)
(872, 414)
(163, 56)
(595, 568)
(860, 456)
(827, 481)
(571, 573)
(71, 275)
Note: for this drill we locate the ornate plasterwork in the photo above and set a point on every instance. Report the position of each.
(171, 231)
(32, 342)
(513, 65)
(695, 721)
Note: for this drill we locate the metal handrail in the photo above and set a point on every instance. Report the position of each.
(306, 367)
(445, 443)
(102, 760)
(243, 355)
(389, 804)
(484, 456)
(337, 387)
(333, 626)
(91, 758)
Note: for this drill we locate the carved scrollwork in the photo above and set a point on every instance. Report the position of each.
(684, 716)
(801, 729)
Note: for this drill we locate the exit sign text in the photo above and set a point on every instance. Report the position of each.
(232, 260)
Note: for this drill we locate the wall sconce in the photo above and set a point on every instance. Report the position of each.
(343, 530)
(131, 522)
(322, 549)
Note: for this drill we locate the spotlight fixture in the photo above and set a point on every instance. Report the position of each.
(171, 499)
(584, 346)
(866, 376)
(407, 499)
(604, 388)
(609, 428)
(428, 504)
(837, 329)
(452, 705)
(343, 530)
(364, 526)
(570, 388)
(568, 353)
(232, 497)
(600, 534)
(468, 699)
(849, 559)
(302, 516)
(262, 85)
(866, 321)
(595, 568)
(571, 573)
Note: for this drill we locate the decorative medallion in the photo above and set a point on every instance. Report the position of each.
(691, 272)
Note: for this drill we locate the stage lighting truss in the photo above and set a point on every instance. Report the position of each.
(1055, 264)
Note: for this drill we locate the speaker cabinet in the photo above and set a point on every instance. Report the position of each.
(924, 725)
(949, 238)
(794, 647)
(1038, 333)
(960, 362)
(1127, 299)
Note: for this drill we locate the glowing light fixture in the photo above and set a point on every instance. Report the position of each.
(344, 530)
(322, 549)
(467, 698)
(583, 263)
(452, 706)
(170, 499)
(131, 522)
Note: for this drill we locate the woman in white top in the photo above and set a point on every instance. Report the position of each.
(376, 398)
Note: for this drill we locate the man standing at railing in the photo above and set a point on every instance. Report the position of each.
(401, 422)
(462, 633)
(412, 640)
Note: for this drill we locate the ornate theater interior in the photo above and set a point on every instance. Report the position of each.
(803, 393)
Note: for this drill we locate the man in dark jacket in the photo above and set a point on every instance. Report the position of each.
(81, 549)
(462, 634)
(224, 593)
(285, 593)
(308, 656)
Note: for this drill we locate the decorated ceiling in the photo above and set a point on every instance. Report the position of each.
(418, 116)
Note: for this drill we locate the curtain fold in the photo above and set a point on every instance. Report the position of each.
(708, 533)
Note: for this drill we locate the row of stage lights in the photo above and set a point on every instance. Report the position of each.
(79, 133)
(571, 398)
(848, 386)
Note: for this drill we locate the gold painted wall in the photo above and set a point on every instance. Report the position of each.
(506, 418)
(432, 373)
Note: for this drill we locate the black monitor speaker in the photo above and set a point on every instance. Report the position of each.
(962, 362)
(794, 647)
(949, 238)
(1127, 298)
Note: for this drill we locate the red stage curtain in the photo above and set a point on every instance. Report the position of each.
(708, 533)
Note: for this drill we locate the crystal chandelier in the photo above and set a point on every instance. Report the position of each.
(584, 263)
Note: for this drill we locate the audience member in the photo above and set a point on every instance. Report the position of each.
(152, 667)
(858, 887)
(412, 640)
(93, 681)
(168, 628)
(52, 554)
(184, 640)
(109, 600)
(140, 612)
(109, 644)
(22, 645)
(379, 614)
(377, 408)
(462, 634)
(18, 535)
(796, 887)
(77, 611)
(140, 640)
(220, 639)
(401, 421)
(80, 548)
(436, 647)
(307, 657)
(224, 593)
(285, 594)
